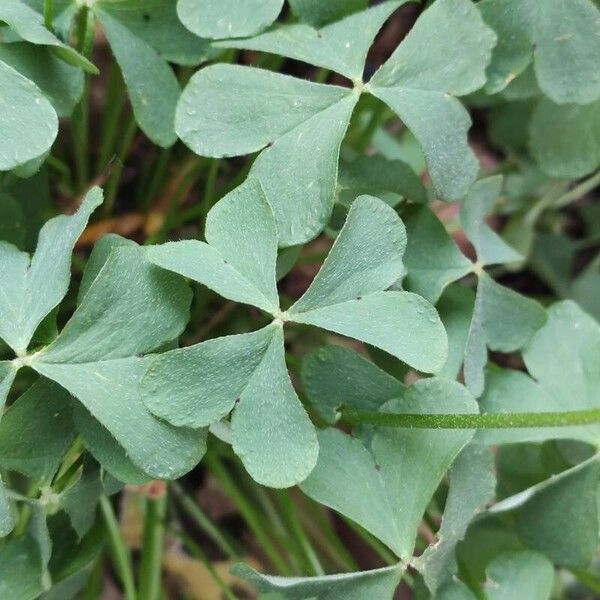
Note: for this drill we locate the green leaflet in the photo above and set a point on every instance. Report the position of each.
(472, 486)
(334, 376)
(490, 247)
(156, 23)
(523, 574)
(393, 330)
(96, 358)
(28, 122)
(239, 260)
(317, 13)
(218, 19)
(430, 271)
(152, 85)
(565, 139)
(378, 583)
(341, 46)
(392, 510)
(7, 521)
(36, 431)
(61, 83)
(561, 39)
(29, 25)
(417, 83)
(33, 287)
(7, 376)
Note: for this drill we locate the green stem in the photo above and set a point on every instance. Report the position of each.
(473, 421)
(589, 580)
(113, 105)
(587, 185)
(48, 14)
(120, 554)
(152, 549)
(194, 512)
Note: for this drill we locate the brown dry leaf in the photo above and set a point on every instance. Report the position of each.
(195, 580)
(124, 225)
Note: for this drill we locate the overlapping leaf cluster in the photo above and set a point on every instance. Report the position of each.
(113, 380)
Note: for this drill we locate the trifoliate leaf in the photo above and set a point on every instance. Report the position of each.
(199, 385)
(28, 122)
(562, 359)
(378, 583)
(378, 176)
(21, 573)
(393, 508)
(472, 486)
(61, 83)
(432, 259)
(221, 19)
(341, 46)
(222, 112)
(29, 25)
(335, 377)
(366, 257)
(490, 247)
(565, 139)
(33, 287)
(561, 39)
(444, 55)
(389, 321)
(96, 358)
(156, 23)
(272, 433)
(152, 85)
(239, 260)
(523, 574)
(43, 414)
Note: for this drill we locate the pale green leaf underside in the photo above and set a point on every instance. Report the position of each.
(366, 257)
(444, 55)
(7, 376)
(565, 139)
(152, 85)
(222, 19)
(59, 82)
(239, 260)
(564, 360)
(341, 46)
(432, 259)
(27, 120)
(31, 289)
(390, 509)
(335, 377)
(563, 39)
(29, 25)
(7, 521)
(478, 203)
(400, 323)
(378, 583)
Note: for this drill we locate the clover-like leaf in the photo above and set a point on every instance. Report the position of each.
(562, 357)
(334, 377)
(28, 122)
(393, 508)
(219, 19)
(29, 25)
(561, 38)
(240, 257)
(378, 583)
(565, 138)
(472, 486)
(444, 55)
(32, 287)
(222, 110)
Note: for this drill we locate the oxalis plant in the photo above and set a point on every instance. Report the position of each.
(299, 300)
